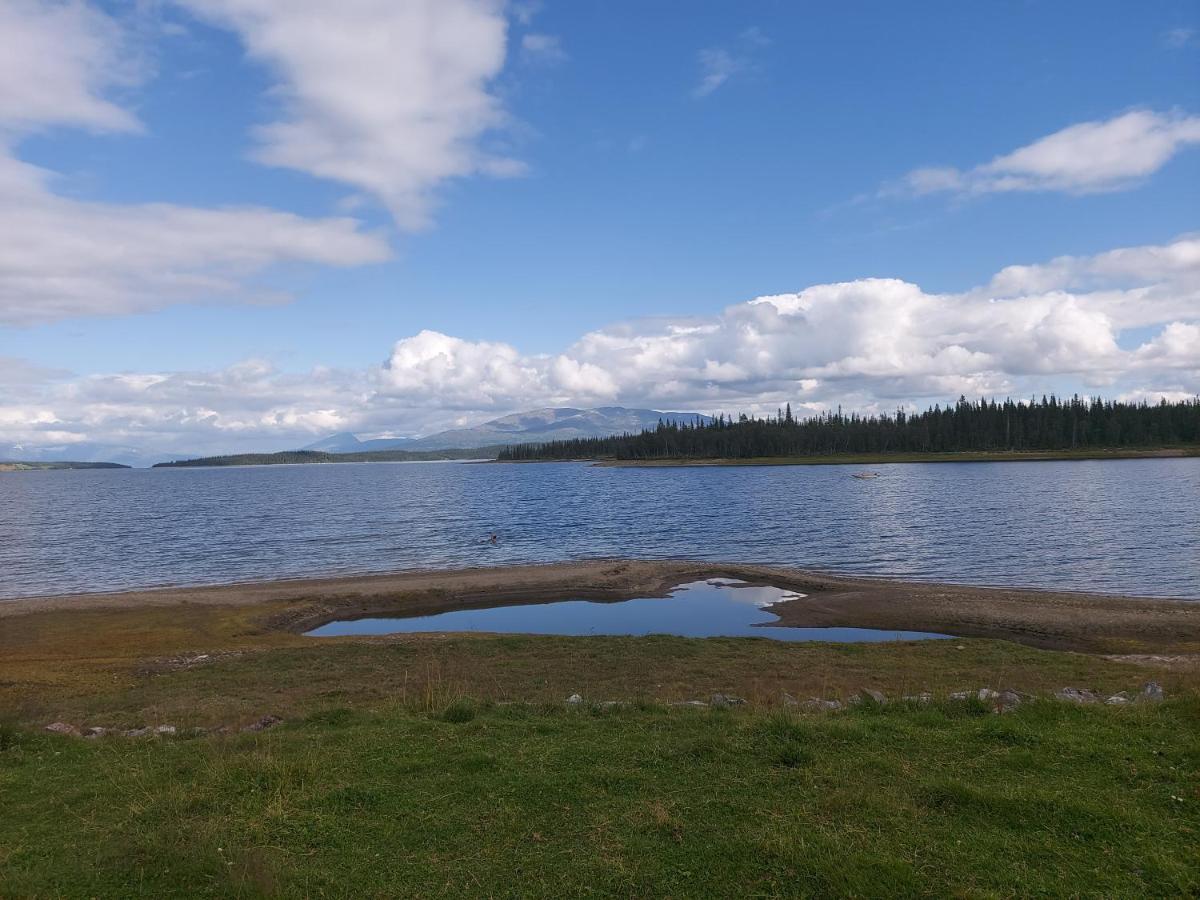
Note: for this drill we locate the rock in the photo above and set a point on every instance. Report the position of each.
(1007, 700)
(724, 700)
(1075, 695)
(574, 699)
(1152, 692)
(264, 723)
(986, 694)
(165, 729)
(923, 698)
(691, 704)
(63, 728)
(867, 694)
(960, 695)
(1118, 699)
(816, 704)
(612, 704)
(789, 700)
(137, 732)
(95, 731)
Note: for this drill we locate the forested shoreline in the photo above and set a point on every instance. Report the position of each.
(1049, 424)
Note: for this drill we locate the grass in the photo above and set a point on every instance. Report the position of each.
(431, 670)
(545, 800)
(449, 765)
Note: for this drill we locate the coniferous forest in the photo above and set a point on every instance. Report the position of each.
(1049, 424)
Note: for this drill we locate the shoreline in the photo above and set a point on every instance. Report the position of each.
(1054, 620)
(879, 459)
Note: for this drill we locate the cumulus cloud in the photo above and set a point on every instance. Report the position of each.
(1090, 157)
(389, 98)
(62, 257)
(1126, 322)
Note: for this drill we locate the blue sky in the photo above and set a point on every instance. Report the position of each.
(658, 164)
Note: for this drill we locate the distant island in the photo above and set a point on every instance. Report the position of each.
(981, 430)
(304, 457)
(15, 465)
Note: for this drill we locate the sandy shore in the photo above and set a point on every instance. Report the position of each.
(1052, 620)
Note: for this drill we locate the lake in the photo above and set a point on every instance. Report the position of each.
(719, 607)
(1121, 526)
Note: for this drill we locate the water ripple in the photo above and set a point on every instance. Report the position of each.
(1109, 526)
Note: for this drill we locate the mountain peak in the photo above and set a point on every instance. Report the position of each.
(551, 423)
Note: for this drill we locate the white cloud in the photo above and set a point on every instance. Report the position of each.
(452, 373)
(62, 257)
(1090, 157)
(542, 49)
(57, 61)
(525, 11)
(870, 344)
(719, 64)
(1174, 262)
(1176, 38)
(716, 67)
(390, 98)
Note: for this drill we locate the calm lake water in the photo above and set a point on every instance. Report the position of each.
(1124, 526)
(715, 608)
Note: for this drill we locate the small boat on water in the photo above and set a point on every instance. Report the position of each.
(864, 474)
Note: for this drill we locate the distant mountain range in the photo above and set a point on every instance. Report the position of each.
(85, 452)
(535, 426)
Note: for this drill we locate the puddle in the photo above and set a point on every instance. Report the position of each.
(715, 608)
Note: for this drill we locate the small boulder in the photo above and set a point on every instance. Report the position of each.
(867, 694)
(96, 731)
(1076, 695)
(986, 694)
(138, 732)
(721, 701)
(816, 704)
(789, 700)
(960, 695)
(165, 729)
(691, 704)
(63, 728)
(924, 698)
(1152, 692)
(1118, 699)
(1007, 700)
(574, 700)
(264, 723)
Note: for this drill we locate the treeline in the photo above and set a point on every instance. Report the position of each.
(298, 457)
(12, 465)
(1050, 424)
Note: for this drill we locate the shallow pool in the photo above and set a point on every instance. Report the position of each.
(714, 608)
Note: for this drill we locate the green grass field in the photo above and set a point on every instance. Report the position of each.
(452, 798)
(450, 765)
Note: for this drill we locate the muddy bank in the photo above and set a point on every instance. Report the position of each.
(1050, 620)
